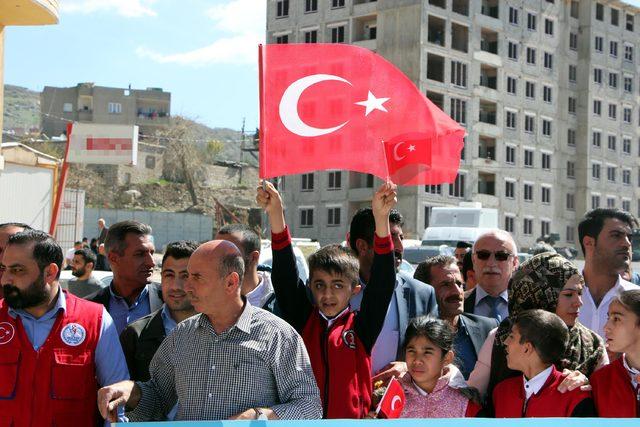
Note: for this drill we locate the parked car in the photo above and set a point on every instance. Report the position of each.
(416, 254)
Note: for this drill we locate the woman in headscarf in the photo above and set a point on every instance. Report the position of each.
(549, 282)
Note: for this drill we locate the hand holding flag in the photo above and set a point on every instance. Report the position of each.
(392, 403)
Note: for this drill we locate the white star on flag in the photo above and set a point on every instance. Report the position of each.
(373, 103)
(412, 148)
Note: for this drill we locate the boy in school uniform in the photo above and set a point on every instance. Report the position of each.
(339, 341)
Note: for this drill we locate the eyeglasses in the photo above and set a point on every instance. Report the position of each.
(500, 255)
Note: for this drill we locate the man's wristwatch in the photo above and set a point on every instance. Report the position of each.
(260, 415)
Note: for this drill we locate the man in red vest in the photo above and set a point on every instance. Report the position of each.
(54, 348)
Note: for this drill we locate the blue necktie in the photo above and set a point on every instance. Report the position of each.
(492, 302)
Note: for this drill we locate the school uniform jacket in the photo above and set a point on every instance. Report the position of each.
(613, 392)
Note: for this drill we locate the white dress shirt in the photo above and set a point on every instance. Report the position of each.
(594, 317)
(534, 385)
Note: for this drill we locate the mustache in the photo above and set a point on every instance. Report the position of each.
(491, 271)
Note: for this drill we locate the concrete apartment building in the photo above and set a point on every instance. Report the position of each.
(548, 91)
(87, 103)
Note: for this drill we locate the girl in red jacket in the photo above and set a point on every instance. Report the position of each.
(615, 386)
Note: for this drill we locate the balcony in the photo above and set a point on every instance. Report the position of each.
(489, 41)
(29, 12)
(365, 32)
(435, 67)
(487, 148)
(490, 8)
(487, 113)
(364, 7)
(437, 30)
(437, 99)
(461, 7)
(489, 77)
(459, 37)
(487, 183)
(488, 201)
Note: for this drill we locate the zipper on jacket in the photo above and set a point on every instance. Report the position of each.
(325, 360)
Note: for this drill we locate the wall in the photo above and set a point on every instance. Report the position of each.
(167, 226)
(26, 195)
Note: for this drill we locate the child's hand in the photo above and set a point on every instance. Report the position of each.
(383, 201)
(269, 199)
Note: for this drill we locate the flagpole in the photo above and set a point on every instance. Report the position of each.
(386, 162)
(62, 182)
(261, 151)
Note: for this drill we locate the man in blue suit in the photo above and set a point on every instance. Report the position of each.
(411, 297)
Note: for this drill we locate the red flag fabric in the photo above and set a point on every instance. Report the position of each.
(334, 106)
(392, 403)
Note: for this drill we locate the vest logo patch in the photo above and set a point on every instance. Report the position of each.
(73, 334)
(349, 338)
(7, 332)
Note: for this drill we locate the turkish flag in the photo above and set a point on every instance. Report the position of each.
(392, 403)
(337, 106)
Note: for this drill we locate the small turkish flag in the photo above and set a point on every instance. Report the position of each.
(336, 106)
(392, 403)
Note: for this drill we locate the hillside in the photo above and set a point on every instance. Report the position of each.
(21, 107)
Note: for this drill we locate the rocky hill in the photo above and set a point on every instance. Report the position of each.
(21, 108)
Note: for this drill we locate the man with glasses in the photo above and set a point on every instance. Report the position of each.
(494, 260)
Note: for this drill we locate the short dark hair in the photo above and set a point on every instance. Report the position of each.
(363, 226)
(45, 250)
(593, 222)
(118, 233)
(230, 263)
(249, 238)
(16, 224)
(435, 330)
(179, 250)
(463, 245)
(87, 255)
(423, 271)
(467, 265)
(630, 300)
(335, 259)
(546, 331)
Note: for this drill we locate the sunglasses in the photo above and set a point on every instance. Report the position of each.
(500, 255)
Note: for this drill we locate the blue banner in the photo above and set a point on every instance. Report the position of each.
(422, 422)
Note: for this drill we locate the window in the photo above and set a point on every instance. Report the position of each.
(595, 171)
(528, 158)
(595, 201)
(599, 12)
(611, 173)
(548, 60)
(571, 137)
(513, 51)
(433, 189)
(530, 90)
(510, 154)
(511, 119)
(597, 75)
(628, 84)
(459, 110)
(546, 195)
(570, 234)
(597, 107)
(282, 8)
(67, 107)
(311, 36)
(333, 216)
(575, 9)
(427, 216)
(310, 6)
(335, 180)
(307, 182)
(528, 226)
(629, 22)
(511, 85)
(596, 139)
(626, 176)
(531, 56)
(573, 41)
(337, 34)
(611, 202)
(615, 17)
(571, 169)
(599, 44)
(528, 192)
(626, 145)
(613, 111)
(337, 3)
(613, 80)
(306, 217)
(628, 53)
(115, 108)
(613, 49)
(509, 189)
(457, 188)
(513, 15)
(509, 223)
(571, 202)
(546, 161)
(547, 94)
(626, 205)
(546, 127)
(611, 142)
(284, 39)
(531, 21)
(458, 74)
(571, 105)
(548, 26)
(529, 125)
(545, 227)
(150, 162)
(626, 114)
(573, 74)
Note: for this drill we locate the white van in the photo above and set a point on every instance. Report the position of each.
(449, 225)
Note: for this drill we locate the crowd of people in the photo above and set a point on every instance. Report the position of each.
(471, 335)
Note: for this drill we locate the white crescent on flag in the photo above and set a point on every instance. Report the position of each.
(395, 400)
(395, 151)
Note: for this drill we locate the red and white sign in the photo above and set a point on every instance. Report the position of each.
(103, 144)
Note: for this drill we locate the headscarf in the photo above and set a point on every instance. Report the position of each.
(536, 284)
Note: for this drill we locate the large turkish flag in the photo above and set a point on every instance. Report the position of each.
(336, 106)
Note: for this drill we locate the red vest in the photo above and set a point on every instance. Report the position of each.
(509, 399)
(341, 365)
(56, 385)
(613, 392)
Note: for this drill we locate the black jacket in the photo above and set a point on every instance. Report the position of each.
(478, 328)
(155, 297)
(140, 341)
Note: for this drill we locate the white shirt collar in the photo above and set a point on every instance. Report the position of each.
(534, 385)
(418, 389)
(633, 372)
(481, 293)
(333, 319)
(261, 293)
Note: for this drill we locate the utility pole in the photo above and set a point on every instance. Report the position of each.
(241, 152)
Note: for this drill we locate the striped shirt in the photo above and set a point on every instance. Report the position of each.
(261, 361)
